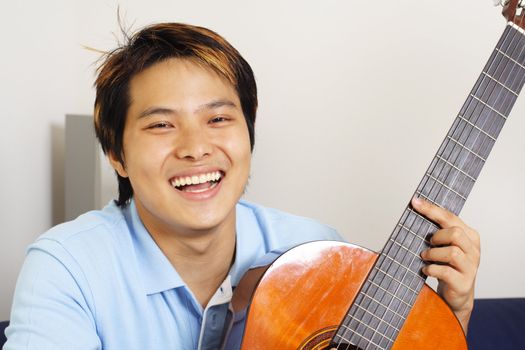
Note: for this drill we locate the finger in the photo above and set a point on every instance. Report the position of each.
(450, 255)
(448, 275)
(459, 238)
(440, 216)
(455, 236)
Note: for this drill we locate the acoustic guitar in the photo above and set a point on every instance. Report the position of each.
(324, 295)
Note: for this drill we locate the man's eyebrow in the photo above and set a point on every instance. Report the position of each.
(217, 104)
(168, 111)
(156, 110)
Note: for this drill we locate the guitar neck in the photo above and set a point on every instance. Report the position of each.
(396, 279)
(464, 151)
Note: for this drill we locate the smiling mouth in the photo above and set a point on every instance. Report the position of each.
(197, 183)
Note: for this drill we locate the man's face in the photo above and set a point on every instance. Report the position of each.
(186, 148)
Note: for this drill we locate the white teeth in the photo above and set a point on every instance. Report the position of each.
(196, 179)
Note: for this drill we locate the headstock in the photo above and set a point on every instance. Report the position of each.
(514, 11)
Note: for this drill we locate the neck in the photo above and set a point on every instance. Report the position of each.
(201, 257)
(203, 263)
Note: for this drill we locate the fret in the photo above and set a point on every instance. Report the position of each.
(390, 293)
(477, 127)
(412, 279)
(434, 194)
(387, 314)
(516, 27)
(504, 38)
(408, 237)
(500, 83)
(412, 271)
(511, 59)
(388, 322)
(399, 252)
(494, 96)
(490, 107)
(378, 319)
(466, 148)
(411, 218)
(427, 198)
(507, 72)
(446, 187)
(387, 331)
(471, 138)
(395, 279)
(383, 342)
(461, 157)
(489, 121)
(451, 175)
(384, 331)
(401, 298)
(402, 290)
(413, 233)
(514, 42)
(442, 199)
(422, 217)
(362, 336)
(455, 167)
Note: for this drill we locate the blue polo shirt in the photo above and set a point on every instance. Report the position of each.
(101, 282)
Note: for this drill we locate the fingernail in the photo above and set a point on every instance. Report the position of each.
(416, 201)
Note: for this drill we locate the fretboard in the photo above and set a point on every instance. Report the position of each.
(387, 296)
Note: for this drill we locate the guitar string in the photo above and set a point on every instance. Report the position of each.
(407, 270)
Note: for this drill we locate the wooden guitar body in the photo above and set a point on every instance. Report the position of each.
(303, 296)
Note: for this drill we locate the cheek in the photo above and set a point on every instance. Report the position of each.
(145, 156)
(238, 147)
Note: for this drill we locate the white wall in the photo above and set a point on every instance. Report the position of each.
(355, 97)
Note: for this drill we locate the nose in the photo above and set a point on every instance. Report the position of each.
(193, 144)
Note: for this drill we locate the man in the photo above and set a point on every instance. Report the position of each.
(175, 113)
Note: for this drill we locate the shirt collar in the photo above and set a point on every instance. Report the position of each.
(156, 271)
(248, 244)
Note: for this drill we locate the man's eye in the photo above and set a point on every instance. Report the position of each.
(218, 119)
(160, 125)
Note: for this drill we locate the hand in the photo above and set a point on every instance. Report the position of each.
(456, 247)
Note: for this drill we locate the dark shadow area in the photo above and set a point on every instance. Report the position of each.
(57, 173)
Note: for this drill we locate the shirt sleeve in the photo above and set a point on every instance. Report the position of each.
(50, 306)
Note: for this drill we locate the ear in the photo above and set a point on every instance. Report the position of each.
(117, 165)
